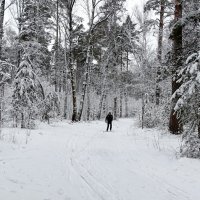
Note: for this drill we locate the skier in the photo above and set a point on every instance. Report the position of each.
(109, 119)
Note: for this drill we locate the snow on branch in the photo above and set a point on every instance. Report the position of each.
(192, 17)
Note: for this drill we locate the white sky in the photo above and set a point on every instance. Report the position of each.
(131, 3)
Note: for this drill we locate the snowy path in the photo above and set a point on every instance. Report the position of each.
(82, 162)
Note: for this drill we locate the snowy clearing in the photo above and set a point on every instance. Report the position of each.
(65, 161)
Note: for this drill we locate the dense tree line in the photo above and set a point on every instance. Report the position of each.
(61, 67)
(57, 66)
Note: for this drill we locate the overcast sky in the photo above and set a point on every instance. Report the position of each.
(131, 3)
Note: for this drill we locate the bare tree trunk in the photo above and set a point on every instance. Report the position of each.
(198, 128)
(120, 102)
(88, 103)
(161, 28)
(175, 125)
(160, 45)
(101, 104)
(143, 110)
(22, 121)
(74, 99)
(71, 64)
(126, 103)
(115, 108)
(56, 48)
(85, 83)
(20, 11)
(65, 80)
(121, 87)
(127, 60)
(2, 11)
(104, 104)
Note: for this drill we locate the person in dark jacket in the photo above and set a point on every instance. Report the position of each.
(109, 119)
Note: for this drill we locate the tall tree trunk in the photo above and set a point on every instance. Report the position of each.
(160, 45)
(22, 121)
(101, 104)
(121, 88)
(85, 83)
(115, 108)
(175, 125)
(2, 11)
(120, 102)
(198, 129)
(72, 68)
(65, 81)
(56, 48)
(126, 102)
(127, 60)
(74, 99)
(143, 109)
(88, 103)
(161, 27)
(20, 21)
(87, 62)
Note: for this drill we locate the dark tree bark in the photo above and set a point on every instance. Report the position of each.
(56, 48)
(22, 121)
(115, 108)
(120, 102)
(175, 126)
(70, 4)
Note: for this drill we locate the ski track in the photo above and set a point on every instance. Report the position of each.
(82, 162)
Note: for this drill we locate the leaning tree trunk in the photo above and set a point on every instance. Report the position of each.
(175, 126)
(160, 45)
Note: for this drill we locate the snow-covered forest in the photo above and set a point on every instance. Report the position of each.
(64, 65)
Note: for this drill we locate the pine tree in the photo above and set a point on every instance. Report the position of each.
(33, 41)
(163, 9)
(28, 93)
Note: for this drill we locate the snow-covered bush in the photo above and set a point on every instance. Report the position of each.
(50, 107)
(155, 116)
(191, 146)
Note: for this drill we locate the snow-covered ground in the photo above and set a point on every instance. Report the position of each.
(81, 161)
